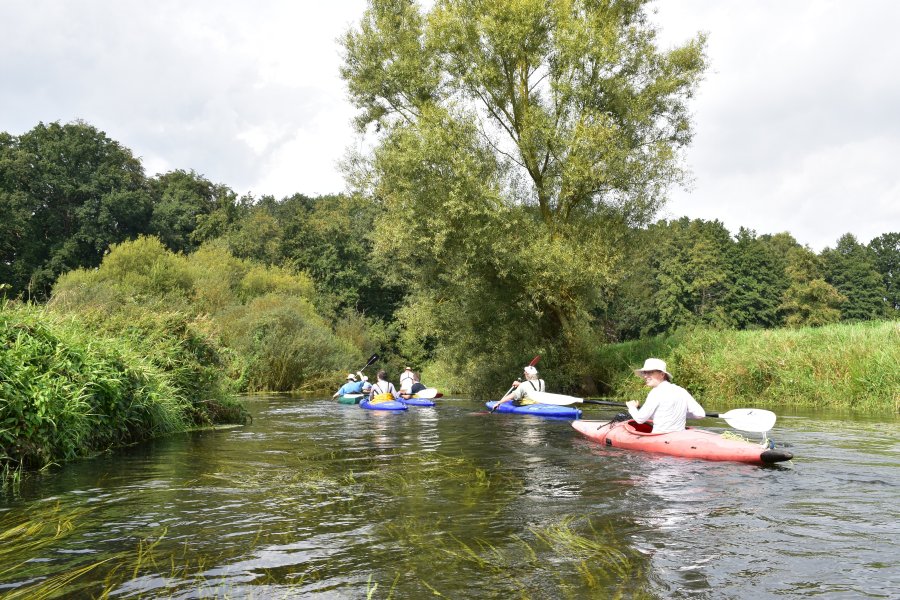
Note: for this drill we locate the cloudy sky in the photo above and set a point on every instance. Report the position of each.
(797, 122)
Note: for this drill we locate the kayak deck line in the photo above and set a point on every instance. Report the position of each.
(689, 443)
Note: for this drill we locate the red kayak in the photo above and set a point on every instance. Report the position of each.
(690, 443)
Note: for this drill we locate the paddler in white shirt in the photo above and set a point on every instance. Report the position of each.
(407, 378)
(519, 395)
(667, 404)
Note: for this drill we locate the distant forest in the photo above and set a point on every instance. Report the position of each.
(68, 193)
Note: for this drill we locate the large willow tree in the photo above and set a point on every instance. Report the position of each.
(518, 141)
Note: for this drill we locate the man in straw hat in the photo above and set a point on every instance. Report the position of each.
(351, 387)
(667, 404)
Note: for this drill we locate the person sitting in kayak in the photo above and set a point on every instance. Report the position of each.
(667, 404)
(519, 395)
(351, 387)
(383, 390)
(417, 386)
(366, 386)
(407, 378)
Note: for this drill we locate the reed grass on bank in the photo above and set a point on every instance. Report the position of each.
(67, 391)
(852, 366)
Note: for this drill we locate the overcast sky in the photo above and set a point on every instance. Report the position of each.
(797, 122)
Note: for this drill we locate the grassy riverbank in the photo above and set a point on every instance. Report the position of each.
(68, 391)
(853, 366)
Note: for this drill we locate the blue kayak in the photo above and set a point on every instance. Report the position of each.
(389, 405)
(538, 410)
(417, 401)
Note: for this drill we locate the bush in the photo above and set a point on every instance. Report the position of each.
(66, 392)
(282, 344)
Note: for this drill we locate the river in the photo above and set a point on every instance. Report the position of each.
(315, 499)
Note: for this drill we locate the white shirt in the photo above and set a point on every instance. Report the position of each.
(669, 406)
(529, 385)
(406, 381)
(382, 387)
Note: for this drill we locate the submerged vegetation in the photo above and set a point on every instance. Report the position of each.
(398, 492)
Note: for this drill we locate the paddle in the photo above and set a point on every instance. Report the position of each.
(372, 359)
(754, 420)
(533, 362)
(428, 393)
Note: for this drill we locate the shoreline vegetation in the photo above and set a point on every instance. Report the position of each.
(68, 391)
(845, 366)
(74, 386)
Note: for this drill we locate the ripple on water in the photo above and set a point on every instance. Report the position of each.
(318, 499)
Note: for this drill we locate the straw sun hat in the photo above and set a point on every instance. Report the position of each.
(653, 364)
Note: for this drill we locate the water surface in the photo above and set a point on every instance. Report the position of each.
(332, 501)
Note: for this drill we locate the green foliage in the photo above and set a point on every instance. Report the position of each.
(841, 365)
(886, 250)
(758, 281)
(690, 268)
(282, 344)
(144, 266)
(186, 206)
(209, 314)
(524, 138)
(811, 304)
(850, 268)
(66, 192)
(329, 238)
(67, 391)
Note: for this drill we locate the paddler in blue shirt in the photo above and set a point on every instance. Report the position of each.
(351, 387)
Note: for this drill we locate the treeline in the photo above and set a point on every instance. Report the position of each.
(689, 273)
(68, 193)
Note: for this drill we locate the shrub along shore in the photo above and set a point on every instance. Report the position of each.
(848, 366)
(67, 391)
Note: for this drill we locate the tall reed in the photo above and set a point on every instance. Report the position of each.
(67, 391)
(850, 365)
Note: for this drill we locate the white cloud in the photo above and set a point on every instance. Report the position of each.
(796, 122)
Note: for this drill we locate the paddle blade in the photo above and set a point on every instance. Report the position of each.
(428, 393)
(754, 420)
(555, 399)
(372, 359)
(534, 360)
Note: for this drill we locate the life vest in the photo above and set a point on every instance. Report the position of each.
(380, 396)
(536, 386)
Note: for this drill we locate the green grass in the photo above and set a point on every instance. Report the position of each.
(850, 366)
(68, 391)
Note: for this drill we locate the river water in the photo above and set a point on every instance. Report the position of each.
(315, 499)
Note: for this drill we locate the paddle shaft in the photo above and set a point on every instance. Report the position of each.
(372, 359)
(622, 405)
